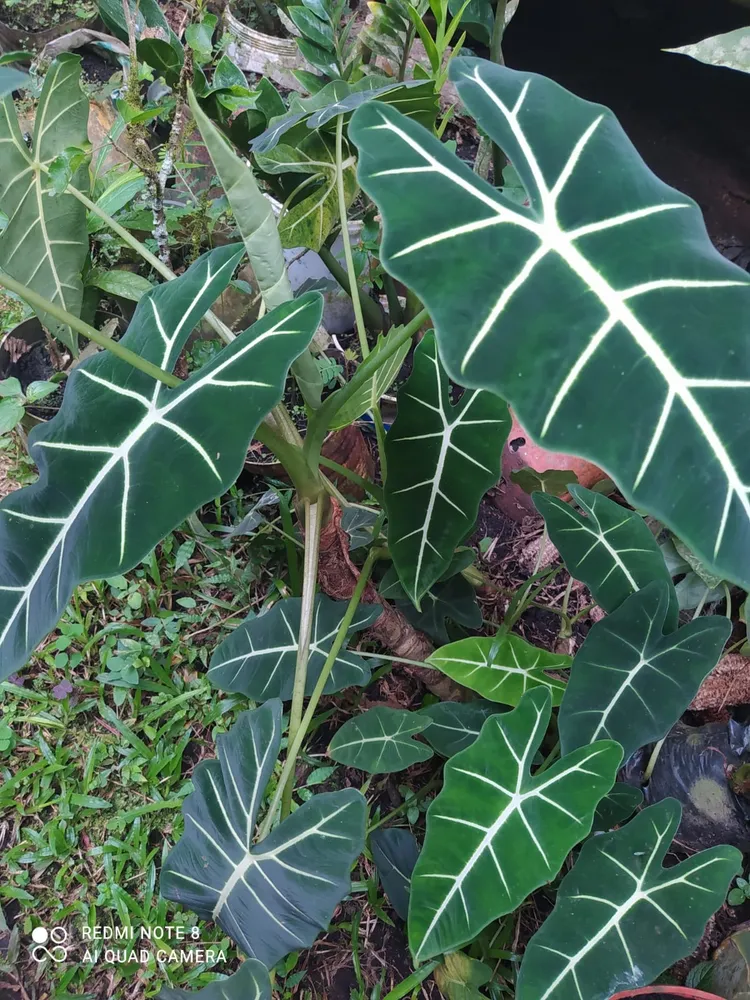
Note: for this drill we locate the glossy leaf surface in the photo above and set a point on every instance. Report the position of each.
(604, 251)
(126, 459)
(620, 918)
(456, 724)
(442, 458)
(630, 682)
(259, 657)
(501, 668)
(395, 852)
(495, 833)
(274, 896)
(45, 244)
(380, 740)
(609, 548)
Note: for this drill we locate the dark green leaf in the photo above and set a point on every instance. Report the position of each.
(395, 853)
(456, 724)
(358, 523)
(227, 74)
(123, 444)
(258, 658)
(630, 682)
(617, 806)
(11, 79)
(501, 668)
(272, 896)
(620, 918)
(317, 31)
(442, 458)
(162, 56)
(495, 833)
(611, 549)
(637, 326)
(380, 741)
(453, 598)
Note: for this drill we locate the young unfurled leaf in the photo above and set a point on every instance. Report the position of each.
(629, 682)
(442, 458)
(456, 724)
(495, 833)
(380, 381)
(250, 982)
(610, 549)
(501, 668)
(45, 244)
(620, 918)
(380, 741)
(123, 444)
(395, 853)
(257, 225)
(502, 280)
(259, 657)
(272, 896)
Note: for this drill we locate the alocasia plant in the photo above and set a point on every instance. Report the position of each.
(133, 451)
(501, 280)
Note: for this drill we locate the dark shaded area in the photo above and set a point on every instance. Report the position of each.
(689, 121)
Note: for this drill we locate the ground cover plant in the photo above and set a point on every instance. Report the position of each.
(219, 643)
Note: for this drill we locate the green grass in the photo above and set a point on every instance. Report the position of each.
(99, 737)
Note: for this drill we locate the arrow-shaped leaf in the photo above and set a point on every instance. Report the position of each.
(610, 549)
(501, 668)
(259, 657)
(501, 282)
(380, 741)
(452, 597)
(45, 244)
(442, 458)
(395, 853)
(250, 982)
(620, 918)
(274, 896)
(617, 805)
(630, 682)
(456, 724)
(127, 459)
(495, 833)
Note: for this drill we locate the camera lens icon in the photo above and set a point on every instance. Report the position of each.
(57, 936)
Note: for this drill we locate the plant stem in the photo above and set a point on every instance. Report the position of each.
(406, 804)
(321, 419)
(373, 317)
(91, 333)
(294, 744)
(309, 586)
(369, 487)
(214, 322)
(499, 160)
(408, 42)
(306, 482)
(395, 313)
(352, 274)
